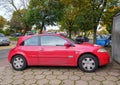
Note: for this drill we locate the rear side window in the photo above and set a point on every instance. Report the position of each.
(33, 41)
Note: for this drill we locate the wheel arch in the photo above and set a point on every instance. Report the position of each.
(90, 54)
(20, 55)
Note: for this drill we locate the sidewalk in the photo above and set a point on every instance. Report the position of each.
(108, 75)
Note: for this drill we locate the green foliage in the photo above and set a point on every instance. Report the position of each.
(17, 22)
(14, 38)
(72, 15)
(2, 21)
(44, 12)
(1, 30)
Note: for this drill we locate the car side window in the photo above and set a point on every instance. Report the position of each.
(33, 41)
(52, 41)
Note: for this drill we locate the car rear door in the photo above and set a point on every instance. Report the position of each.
(31, 49)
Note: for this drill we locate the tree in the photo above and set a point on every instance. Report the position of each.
(98, 9)
(16, 9)
(17, 23)
(71, 12)
(2, 21)
(44, 12)
(108, 15)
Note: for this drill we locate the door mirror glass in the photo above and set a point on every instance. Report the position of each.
(67, 44)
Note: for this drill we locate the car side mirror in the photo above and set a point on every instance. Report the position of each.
(67, 44)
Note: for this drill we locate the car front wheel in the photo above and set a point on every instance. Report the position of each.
(88, 63)
(19, 62)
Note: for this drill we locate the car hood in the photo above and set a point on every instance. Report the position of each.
(87, 46)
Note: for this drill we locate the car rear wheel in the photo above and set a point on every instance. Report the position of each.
(88, 63)
(19, 62)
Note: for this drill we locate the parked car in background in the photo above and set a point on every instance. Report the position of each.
(16, 34)
(56, 50)
(103, 40)
(4, 40)
(81, 39)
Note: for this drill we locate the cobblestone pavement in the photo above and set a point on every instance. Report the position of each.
(107, 75)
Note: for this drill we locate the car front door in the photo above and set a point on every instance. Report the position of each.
(53, 52)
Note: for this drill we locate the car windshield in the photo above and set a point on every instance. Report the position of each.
(2, 35)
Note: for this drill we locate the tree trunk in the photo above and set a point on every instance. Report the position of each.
(70, 32)
(41, 27)
(94, 35)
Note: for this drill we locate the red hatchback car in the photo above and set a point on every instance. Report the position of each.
(56, 50)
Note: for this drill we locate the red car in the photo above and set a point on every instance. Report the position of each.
(56, 50)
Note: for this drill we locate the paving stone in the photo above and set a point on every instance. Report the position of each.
(30, 82)
(18, 77)
(68, 73)
(113, 74)
(86, 78)
(47, 73)
(42, 82)
(18, 82)
(119, 77)
(6, 82)
(80, 82)
(55, 82)
(57, 73)
(64, 70)
(67, 82)
(94, 82)
(27, 70)
(109, 83)
(111, 78)
(28, 73)
(17, 73)
(27, 77)
(89, 74)
(118, 82)
(44, 69)
(7, 77)
(62, 77)
(50, 77)
(39, 76)
(98, 78)
(79, 73)
(2, 69)
(101, 73)
(74, 77)
(59, 76)
(37, 72)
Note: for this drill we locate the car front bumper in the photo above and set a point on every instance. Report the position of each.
(104, 58)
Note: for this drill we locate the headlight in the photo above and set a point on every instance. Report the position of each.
(102, 50)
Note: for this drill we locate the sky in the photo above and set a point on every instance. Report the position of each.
(6, 9)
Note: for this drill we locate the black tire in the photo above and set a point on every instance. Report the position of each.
(88, 63)
(19, 62)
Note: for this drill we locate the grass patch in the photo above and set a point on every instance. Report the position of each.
(14, 38)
